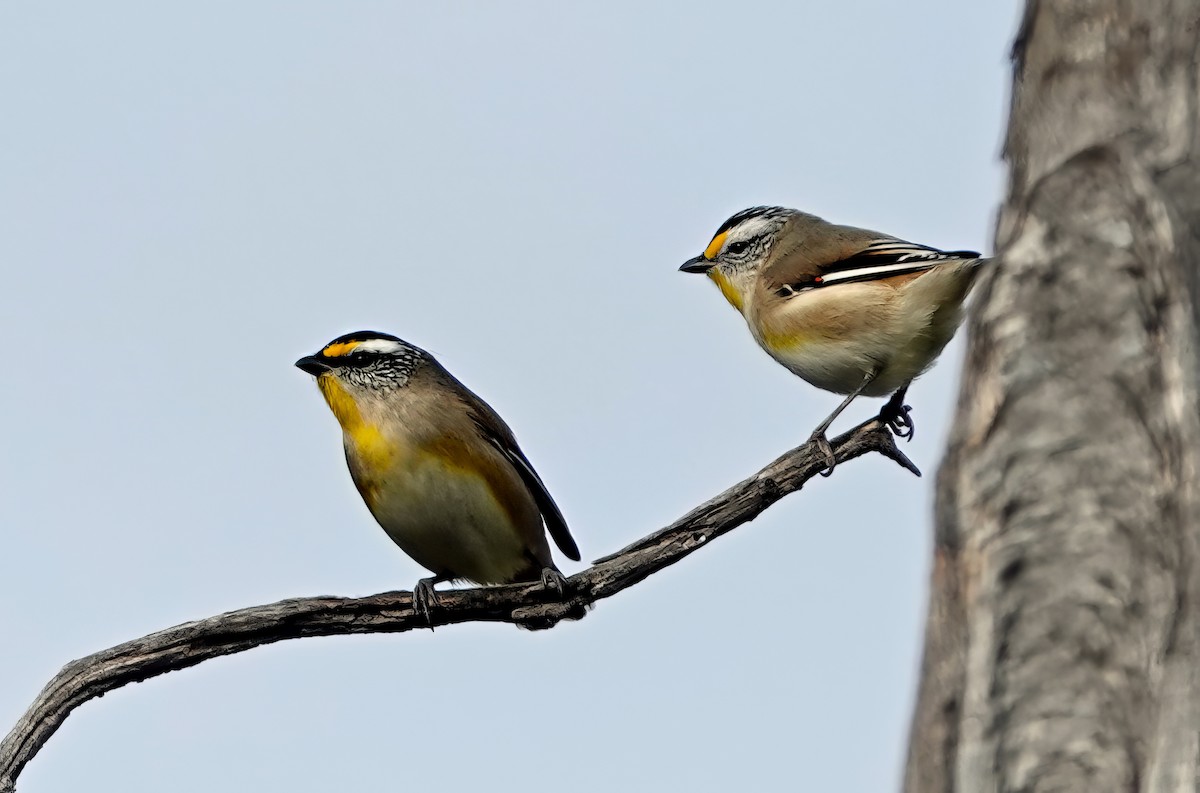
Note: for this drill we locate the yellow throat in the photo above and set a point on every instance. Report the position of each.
(727, 287)
(369, 442)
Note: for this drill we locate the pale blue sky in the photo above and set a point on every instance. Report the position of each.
(194, 195)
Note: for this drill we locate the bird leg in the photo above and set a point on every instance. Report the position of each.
(895, 414)
(552, 579)
(818, 435)
(424, 595)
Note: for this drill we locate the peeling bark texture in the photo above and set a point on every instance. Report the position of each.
(1062, 645)
(527, 605)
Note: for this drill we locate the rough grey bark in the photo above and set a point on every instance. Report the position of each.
(529, 606)
(1062, 644)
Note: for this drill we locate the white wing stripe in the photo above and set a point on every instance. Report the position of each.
(882, 269)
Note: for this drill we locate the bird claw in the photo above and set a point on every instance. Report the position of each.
(901, 424)
(896, 416)
(554, 580)
(424, 596)
(824, 447)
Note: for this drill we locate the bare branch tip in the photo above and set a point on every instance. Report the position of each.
(889, 449)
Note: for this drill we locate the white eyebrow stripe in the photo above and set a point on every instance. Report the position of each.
(377, 345)
(748, 229)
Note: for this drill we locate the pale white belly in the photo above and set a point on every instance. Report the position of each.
(897, 342)
(842, 367)
(837, 367)
(449, 522)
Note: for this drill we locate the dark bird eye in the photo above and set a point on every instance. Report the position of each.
(738, 247)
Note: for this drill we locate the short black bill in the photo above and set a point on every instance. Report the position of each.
(696, 265)
(313, 365)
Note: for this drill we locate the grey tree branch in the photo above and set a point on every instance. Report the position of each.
(1063, 641)
(529, 606)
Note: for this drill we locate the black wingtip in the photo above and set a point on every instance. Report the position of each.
(566, 544)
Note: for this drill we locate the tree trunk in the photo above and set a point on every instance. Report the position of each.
(1062, 644)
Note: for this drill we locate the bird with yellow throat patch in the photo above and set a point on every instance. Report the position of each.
(852, 311)
(438, 468)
